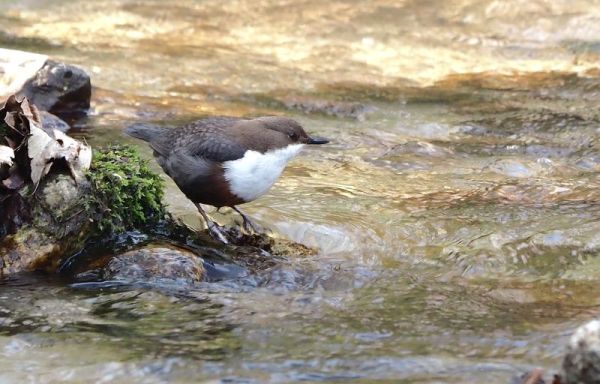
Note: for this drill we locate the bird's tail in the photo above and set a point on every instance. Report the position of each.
(144, 131)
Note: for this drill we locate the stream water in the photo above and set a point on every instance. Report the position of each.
(456, 210)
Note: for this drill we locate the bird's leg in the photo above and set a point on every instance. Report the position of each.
(214, 229)
(246, 224)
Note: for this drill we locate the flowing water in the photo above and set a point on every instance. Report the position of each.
(456, 210)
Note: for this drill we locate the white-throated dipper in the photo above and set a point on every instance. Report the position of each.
(225, 161)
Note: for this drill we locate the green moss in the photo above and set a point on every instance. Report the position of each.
(126, 194)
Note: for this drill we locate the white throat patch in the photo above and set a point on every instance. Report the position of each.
(254, 174)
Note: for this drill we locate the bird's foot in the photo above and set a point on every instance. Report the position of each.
(250, 227)
(247, 224)
(217, 232)
(214, 230)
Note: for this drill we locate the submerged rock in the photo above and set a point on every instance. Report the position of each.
(155, 263)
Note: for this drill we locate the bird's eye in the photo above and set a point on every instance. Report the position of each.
(293, 136)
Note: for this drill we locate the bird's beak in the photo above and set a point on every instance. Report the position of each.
(317, 140)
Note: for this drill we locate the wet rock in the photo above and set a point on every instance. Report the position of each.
(581, 365)
(51, 122)
(52, 86)
(155, 263)
(57, 224)
(60, 218)
(59, 88)
(260, 251)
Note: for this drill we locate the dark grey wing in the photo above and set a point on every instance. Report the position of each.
(206, 139)
(215, 147)
(184, 168)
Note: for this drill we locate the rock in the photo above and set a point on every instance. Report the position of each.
(59, 225)
(51, 86)
(51, 122)
(16, 67)
(582, 362)
(155, 263)
(59, 88)
(42, 230)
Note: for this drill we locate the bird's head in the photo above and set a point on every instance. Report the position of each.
(292, 129)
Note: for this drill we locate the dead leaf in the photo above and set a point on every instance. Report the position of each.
(44, 149)
(7, 155)
(37, 143)
(19, 117)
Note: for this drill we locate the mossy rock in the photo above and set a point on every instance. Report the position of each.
(119, 194)
(126, 194)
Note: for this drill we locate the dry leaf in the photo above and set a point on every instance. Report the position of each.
(43, 147)
(37, 143)
(43, 150)
(18, 116)
(77, 154)
(6, 155)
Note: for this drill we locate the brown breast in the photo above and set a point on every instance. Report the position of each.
(211, 189)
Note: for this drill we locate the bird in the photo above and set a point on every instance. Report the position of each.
(225, 161)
